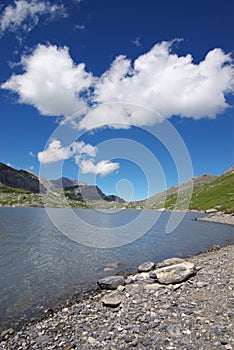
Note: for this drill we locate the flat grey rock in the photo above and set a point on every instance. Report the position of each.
(111, 282)
(111, 300)
(174, 273)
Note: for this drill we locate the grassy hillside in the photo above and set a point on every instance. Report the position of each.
(208, 192)
(219, 192)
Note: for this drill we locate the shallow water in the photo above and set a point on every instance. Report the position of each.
(39, 265)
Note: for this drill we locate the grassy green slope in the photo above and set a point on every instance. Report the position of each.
(219, 192)
(208, 192)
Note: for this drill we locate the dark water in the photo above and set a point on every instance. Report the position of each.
(39, 266)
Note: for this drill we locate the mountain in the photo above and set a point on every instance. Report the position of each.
(21, 187)
(64, 182)
(20, 179)
(87, 193)
(209, 191)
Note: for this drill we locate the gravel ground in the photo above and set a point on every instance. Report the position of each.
(221, 218)
(194, 314)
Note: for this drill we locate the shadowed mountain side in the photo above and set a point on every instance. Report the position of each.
(90, 193)
(64, 182)
(21, 179)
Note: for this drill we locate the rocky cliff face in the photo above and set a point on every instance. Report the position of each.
(20, 179)
(64, 182)
(74, 189)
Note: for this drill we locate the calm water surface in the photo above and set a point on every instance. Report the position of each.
(39, 266)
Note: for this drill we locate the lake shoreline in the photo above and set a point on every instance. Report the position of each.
(217, 217)
(202, 303)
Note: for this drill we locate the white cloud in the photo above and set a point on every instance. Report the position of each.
(102, 168)
(25, 14)
(51, 81)
(159, 80)
(56, 152)
(169, 84)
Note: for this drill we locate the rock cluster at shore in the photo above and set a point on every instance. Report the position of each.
(179, 304)
(220, 218)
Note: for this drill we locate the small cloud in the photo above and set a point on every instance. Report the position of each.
(9, 164)
(79, 27)
(31, 168)
(102, 168)
(33, 155)
(137, 42)
(24, 15)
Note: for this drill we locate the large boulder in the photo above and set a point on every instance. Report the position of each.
(174, 274)
(111, 282)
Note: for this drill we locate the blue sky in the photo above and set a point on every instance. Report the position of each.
(130, 67)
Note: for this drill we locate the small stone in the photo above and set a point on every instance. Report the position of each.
(146, 267)
(92, 341)
(176, 286)
(111, 282)
(5, 334)
(201, 284)
(42, 339)
(224, 342)
(111, 301)
(128, 339)
(174, 330)
(152, 286)
(120, 288)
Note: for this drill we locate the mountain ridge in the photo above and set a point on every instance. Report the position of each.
(208, 191)
(23, 189)
(23, 181)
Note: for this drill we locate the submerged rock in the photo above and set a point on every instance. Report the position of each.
(111, 282)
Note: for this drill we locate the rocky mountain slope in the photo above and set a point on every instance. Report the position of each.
(209, 191)
(20, 179)
(20, 187)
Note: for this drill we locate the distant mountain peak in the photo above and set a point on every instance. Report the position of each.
(65, 182)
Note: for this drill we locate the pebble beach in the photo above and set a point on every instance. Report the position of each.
(157, 308)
